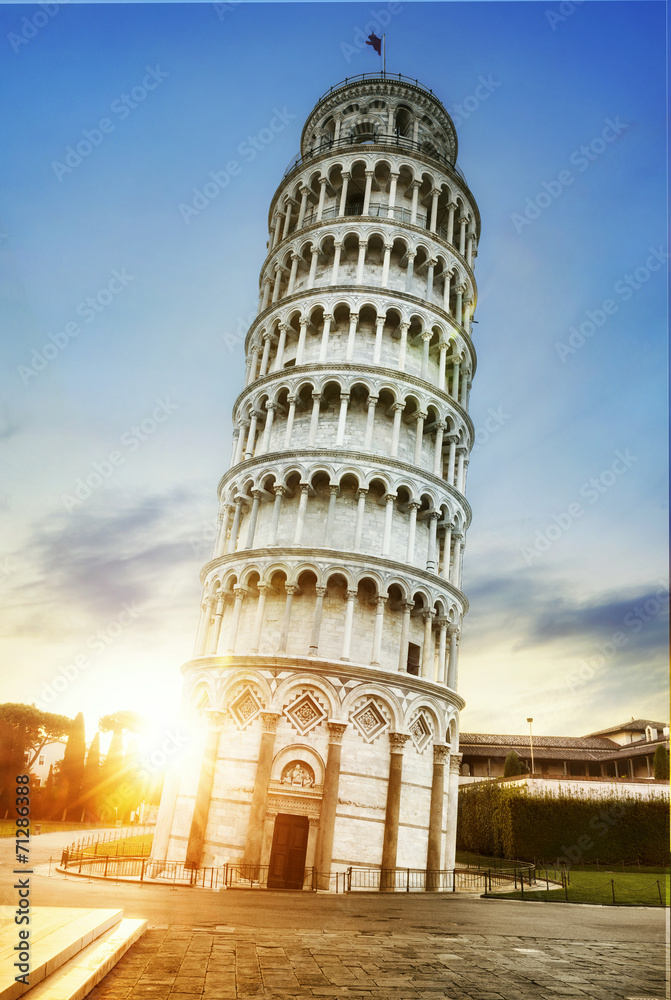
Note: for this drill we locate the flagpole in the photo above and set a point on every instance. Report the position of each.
(384, 55)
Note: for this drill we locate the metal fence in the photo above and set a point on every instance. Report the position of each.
(118, 866)
(94, 844)
(353, 879)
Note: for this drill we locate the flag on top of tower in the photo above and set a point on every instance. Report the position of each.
(375, 42)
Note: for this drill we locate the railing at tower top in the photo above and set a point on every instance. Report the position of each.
(384, 77)
(383, 139)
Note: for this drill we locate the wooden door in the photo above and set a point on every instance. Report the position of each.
(287, 857)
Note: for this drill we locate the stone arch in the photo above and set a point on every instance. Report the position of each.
(380, 692)
(299, 752)
(287, 687)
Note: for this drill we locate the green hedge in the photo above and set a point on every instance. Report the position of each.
(506, 822)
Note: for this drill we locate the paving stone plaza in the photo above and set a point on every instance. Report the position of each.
(364, 965)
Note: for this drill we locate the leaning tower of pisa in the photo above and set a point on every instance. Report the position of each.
(325, 663)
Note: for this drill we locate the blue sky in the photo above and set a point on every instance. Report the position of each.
(566, 157)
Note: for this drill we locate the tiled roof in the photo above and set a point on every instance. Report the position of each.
(640, 749)
(554, 748)
(540, 753)
(513, 742)
(634, 725)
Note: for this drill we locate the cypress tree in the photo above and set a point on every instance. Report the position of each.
(92, 778)
(512, 765)
(660, 763)
(71, 771)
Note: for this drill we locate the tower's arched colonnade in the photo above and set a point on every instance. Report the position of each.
(325, 662)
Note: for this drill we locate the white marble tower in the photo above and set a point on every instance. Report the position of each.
(325, 664)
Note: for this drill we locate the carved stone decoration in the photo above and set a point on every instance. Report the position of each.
(420, 732)
(441, 753)
(245, 708)
(369, 721)
(269, 721)
(305, 713)
(397, 742)
(337, 731)
(297, 772)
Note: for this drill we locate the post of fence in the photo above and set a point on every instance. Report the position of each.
(612, 885)
(659, 890)
(407, 880)
(144, 861)
(516, 876)
(565, 881)
(489, 880)
(547, 880)
(107, 861)
(522, 884)
(349, 879)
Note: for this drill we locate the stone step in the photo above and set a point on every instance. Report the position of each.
(57, 934)
(76, 978)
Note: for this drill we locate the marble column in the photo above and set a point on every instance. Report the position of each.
(379, 628)
(254, 842)
(428, 646)
(216, 626)
(347, 629)
(388, 515)
(235, 622)
(397, 743)
(412, 507)
(453, 633)
(440, 676)
(263, 589)
(290, 590)
(360, 510)
(300, 517)
(330, 516)
(327, 814)
(317, 621)
(370, 421)
(279, 492)
(166, 812)
(201, 807)
(405, 636)
(452, 806)
(434, 848)
(323, 347)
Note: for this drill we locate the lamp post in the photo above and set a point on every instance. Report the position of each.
(531, 744)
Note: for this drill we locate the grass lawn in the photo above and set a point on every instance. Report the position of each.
(595, 887)
(140, 845)
(480, 861)
(8, 826)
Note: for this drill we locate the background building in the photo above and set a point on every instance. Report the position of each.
(624, 751)
(326, 654)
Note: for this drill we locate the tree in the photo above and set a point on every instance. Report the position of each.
(660, 763)
(115, 779)
(512, 765)
(71, 769)
(126, 720)
(32, 729)
(91, 778)
(24, 731)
